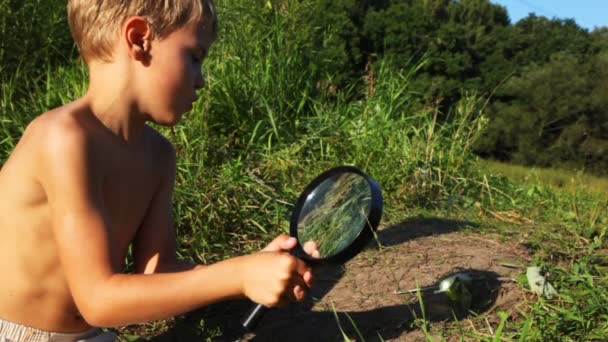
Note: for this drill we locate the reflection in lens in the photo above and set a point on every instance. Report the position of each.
(335, 212)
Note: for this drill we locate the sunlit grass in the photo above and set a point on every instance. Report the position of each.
(560, 179)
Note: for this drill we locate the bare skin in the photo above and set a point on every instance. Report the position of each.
(88, 179)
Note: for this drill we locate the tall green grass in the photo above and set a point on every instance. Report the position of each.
(33, 33)
(401, 148)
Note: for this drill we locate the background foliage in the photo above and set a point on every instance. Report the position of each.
(33, 34)
(537, 72)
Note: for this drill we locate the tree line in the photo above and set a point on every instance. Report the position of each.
(545, 79)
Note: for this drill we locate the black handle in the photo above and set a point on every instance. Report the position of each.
(254, 316)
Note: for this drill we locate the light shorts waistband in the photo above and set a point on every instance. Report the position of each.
(15, 332)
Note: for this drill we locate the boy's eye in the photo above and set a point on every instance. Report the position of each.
(196, 59)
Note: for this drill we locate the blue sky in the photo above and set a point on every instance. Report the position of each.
(586, 13)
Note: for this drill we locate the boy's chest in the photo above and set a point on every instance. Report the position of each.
(128, 190)
(127, 198)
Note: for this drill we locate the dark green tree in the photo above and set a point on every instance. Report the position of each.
(556, 116)
(536, 39)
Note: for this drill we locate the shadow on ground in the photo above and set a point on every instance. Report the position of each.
(383, 323)
(299, 323)
(417, 227)
(395, 234)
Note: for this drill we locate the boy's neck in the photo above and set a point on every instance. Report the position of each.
(112, 100)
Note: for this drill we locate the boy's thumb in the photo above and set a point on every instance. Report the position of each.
(289, 243)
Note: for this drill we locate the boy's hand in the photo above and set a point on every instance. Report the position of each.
(275, 278)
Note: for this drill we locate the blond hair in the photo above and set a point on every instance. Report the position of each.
(95, 23)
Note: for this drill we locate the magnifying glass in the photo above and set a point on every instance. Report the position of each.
(338, 210)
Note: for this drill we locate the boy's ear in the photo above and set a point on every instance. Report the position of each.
(138, 34)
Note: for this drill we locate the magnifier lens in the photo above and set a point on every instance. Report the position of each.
(335, 212)
(338, 211)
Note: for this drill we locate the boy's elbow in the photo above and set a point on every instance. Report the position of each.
(97, 315)
(104, 318)
(98, 312)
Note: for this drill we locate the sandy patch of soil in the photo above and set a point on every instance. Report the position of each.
(415, 253)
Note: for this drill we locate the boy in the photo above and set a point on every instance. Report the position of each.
(89, 178)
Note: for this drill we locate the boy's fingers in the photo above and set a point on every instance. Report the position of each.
(296, 292)
(304, 275)
(312, 249)
(277, 244)
(299, 293)
(299, 288)
(308, 278)
(301, 267)
(288, 243)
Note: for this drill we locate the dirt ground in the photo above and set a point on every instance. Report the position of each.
(362, 293)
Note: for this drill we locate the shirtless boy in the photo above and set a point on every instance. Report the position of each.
(89, 178)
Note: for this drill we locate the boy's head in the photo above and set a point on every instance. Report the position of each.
(95, 24)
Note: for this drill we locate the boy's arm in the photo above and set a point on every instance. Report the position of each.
(108, 298)
(154, 248)
(155, 243)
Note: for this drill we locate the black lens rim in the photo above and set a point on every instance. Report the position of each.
(365, 235)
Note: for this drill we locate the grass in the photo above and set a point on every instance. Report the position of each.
(566, 234)
(559, 179)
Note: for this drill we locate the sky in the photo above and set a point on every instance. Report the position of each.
(587, 13)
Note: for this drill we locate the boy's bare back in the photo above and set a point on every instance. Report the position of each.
(128, 176)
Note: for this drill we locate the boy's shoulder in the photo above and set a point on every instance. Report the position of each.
(74, 122)
(72, 130)
(59, 124)
(54, 140)
(52, 131)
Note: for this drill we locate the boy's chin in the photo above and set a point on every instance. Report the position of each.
(169, 119)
